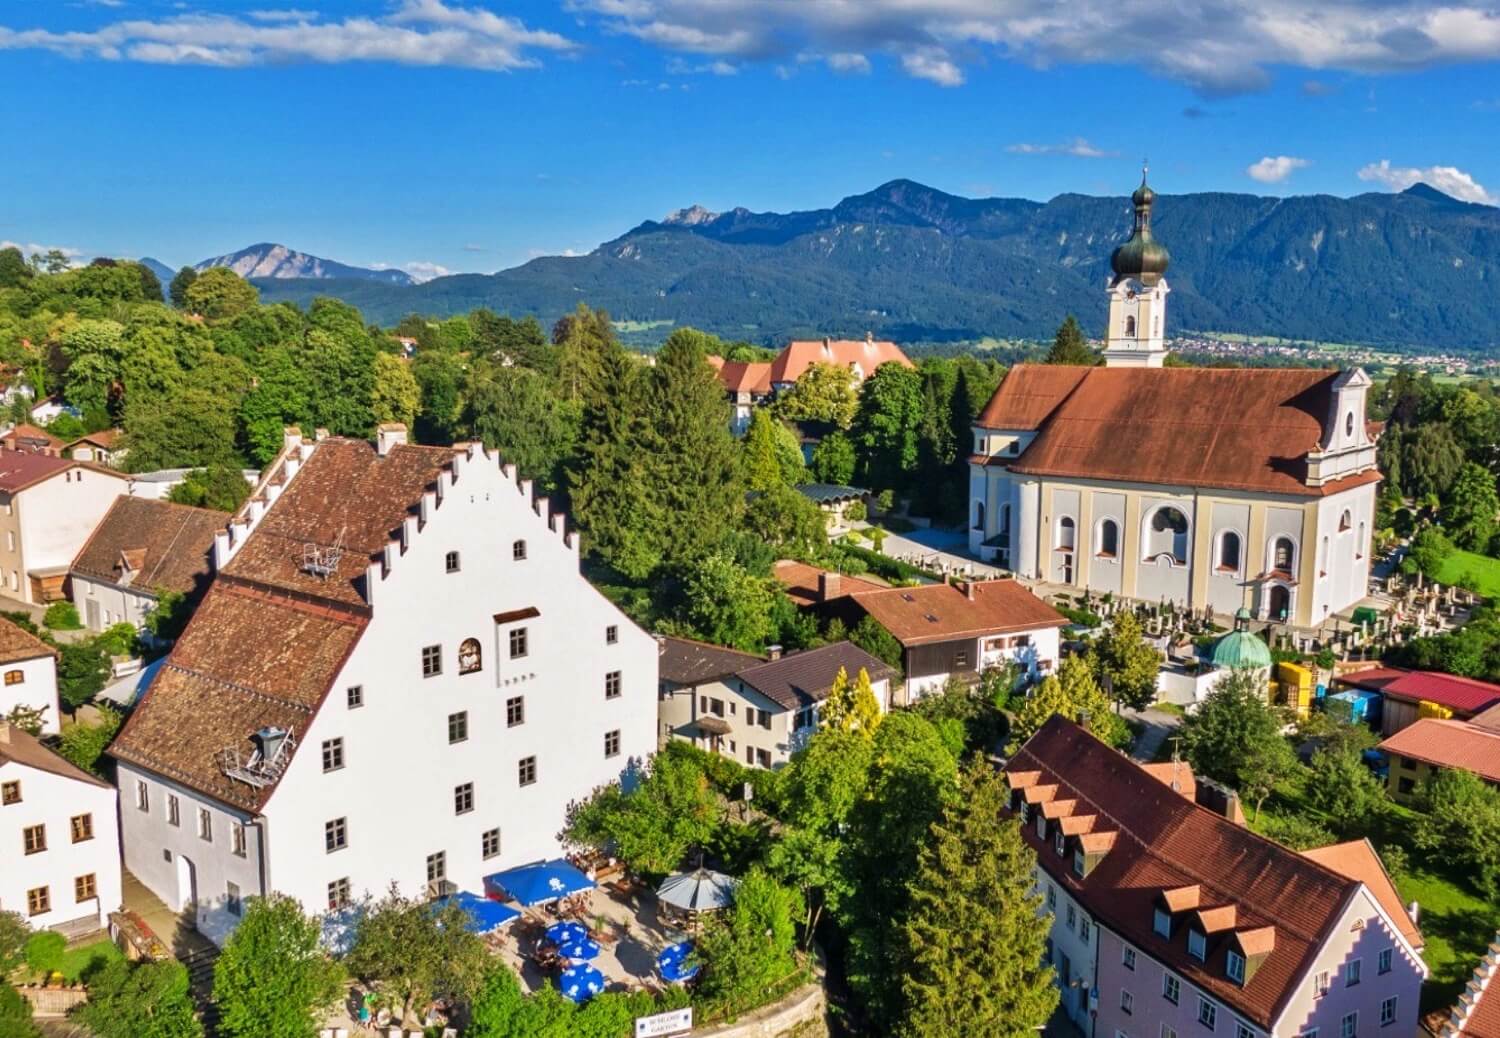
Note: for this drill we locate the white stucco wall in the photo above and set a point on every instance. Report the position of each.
(37, 688)
(101, 603)
(58, 514)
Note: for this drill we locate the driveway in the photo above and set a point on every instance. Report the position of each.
(1161, 725)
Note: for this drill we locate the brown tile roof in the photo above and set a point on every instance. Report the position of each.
(1175, 774)
(1238, 429)
(803, 678)
(25, 437)
(802, 582)
(868, 354)
(943, 612)
(344, 493)
(167, 545)
(684, 661)
(107, 439)
(226, 680)
(1165, 843)
(22, 469)
(1449, 744)
(17, 644)
(741, 376)
(21, 748)
(1357, 860)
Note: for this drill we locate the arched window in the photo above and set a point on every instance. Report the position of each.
(1345, 521)
(1109, 539)
(1130, 327)
(469, 658)
(1281, 603)
(1065, 531)
(1323, 569)
(979, 515)
(1166, 534)
(1283, 555)
(1004, 519)
(1359, 545)
(1229, 552)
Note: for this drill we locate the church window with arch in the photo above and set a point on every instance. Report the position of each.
(1283, 554)
(1108, 538)
(1166, 536)
(1230, 551)
(1346, 522)
(1065, 532)
(1130, 327)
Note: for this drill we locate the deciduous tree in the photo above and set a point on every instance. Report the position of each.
(273, 980)
(1471, 507)
(671, 811)
(726, 604)
(833, 460)
(417, 953)
(748, 949)
(1124, 664)
(219, 294)
(851, 706)
(885, 428)
(1235, 737)
(145, 1000)
(822, 393)
(1460, 823)
(395, 395)
(517, 412)
(181, 282)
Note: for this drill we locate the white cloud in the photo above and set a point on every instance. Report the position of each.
(720, 67)
(1221, 47)
(1273, 169)
(415, 32)
(847, 61)
(420, 270)
(1078, 147)
(1450, 180)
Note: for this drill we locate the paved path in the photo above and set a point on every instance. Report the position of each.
(1160, 725)
(934, 548)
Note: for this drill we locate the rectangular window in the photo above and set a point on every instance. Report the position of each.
(232, 899)
(35, 838)
(1197, 945)
(1085, 929)
(1349, 1025)
(354, 695)
(1078, 861)
(338, 893)
(142, 797)
(765, 720)
(333, 754)
(1127, 1002)
(1352, 970)
(763, 758)
(450, 562)
(611, 634)
(1051, 896)
(1208, 1013)
(336, 835)
(1320, 984)
(83, 827)
(1171, 988)
(1388, 1011)
(1127, 958)
(749, 755)
(205, 825)
(1167, 1032)
(38, 901)
(960, 659)
(237, 839)
(518, 550)
(1161, 922)
(458, 727)
(463, 798)
(612, 685)
(437, 866)
(526, 770)
(1383, 961)
(432, 661)
(489, 843)
(612, 743)
(85, 888)
(515, 711)
(1234, 965)
(174, 810)
(10, 793)
(1241, 1031)
(517, 643)
(1072, 916)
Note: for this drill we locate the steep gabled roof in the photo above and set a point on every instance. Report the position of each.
(943, 612)
(22, 469)
(866, 354)
(168, 546)
(1357, 859)
(801, 581)
(1028, 394)
(27, 750)
(1477, 1013)
(741, 376)
(684, 661)
(803, 678)
(1162, 842)
(17, 644)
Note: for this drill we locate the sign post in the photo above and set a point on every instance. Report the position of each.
(676, 1021)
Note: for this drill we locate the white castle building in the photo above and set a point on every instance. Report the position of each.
(1205, 487)
(398, 674)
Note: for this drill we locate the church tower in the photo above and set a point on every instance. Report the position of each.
(1138, 293)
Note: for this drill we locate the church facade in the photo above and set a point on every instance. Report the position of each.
(1206, 487)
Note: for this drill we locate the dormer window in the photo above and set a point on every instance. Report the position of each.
(1162, 923)
(1234, 965)
(1078, 862)
(1057, 842)
(1197, 945)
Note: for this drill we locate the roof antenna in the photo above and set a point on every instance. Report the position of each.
(1145, 168)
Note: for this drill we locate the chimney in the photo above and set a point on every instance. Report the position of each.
(389, 435)
(869, 340)
(828, 586)
(773, 652)
(969, 590)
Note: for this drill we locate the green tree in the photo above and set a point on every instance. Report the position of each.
(1430, 549)
(762, 465)
(522, 343)
(788, 521)
(833, 460)
(273, 980)
(84, 744)
(1471, 507)
(222, 488)
(869, 635)
(976, 931)
(885, 428)
(1124, 664)
(1345, 790)
(1074, 693)
(150, 283)
(726, 604)
(586, 345)
(672, 810)
(1235, 738)
(15, 1011)
(517, 412)
(440, 377)
(851, 706)
(82, 669)
(1460, 825)
(148, 1000)
(14, 932)
(1430, 459)
(417, 954)
(219, 294)
(822, 393)
(339, 359)
(94, 350)
(1070, 347)
(191, 429)
(278, 399)
(396, 397)
(181, 282)
(750, 948)
(14, 271)
(62, 616)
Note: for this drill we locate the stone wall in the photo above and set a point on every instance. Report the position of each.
(800, 1013)
(53, 1002)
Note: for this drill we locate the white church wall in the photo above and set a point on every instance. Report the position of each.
(1105, 573)
(1158, 576)
(1226, 585)
(1060, 551)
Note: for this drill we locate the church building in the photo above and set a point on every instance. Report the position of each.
(1203, 486)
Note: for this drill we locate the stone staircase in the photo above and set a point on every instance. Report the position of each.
(188, 946)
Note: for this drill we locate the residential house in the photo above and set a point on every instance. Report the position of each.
(141, 548)
(397, 675)
(29, 669)
(753, 383)
(1430, 744)
(950, 630)
(60, 839)
(816, 589)
(160, 483)
(31, 439)
(757, 709)
(1407, 696)
(48, 508)
(1170, 919)
(748, 384)
(103, 447)
(1191, 485)
(1476, 1014)
(52, 408)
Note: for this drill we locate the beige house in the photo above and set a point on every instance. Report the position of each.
(48, 507)
(752, 708)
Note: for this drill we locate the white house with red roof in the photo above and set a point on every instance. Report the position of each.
(28, 676)
(48, 507)
(397, 675)
(752, 383)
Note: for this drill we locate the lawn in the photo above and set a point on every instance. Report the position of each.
(1484, 570)
(76, 962)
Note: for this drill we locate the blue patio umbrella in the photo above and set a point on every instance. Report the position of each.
(581, 982)
(540, 883)
(484, 915)
(583, 948)
(567, 930)
(672, 963)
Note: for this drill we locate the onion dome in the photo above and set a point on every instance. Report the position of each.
(1239, 649)
(1142, 257)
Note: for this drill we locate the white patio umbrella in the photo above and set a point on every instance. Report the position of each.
(702, 890)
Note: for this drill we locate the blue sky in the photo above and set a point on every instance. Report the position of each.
(474, 134)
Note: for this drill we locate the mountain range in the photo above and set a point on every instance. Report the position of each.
(908, 262)
(271, 261)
